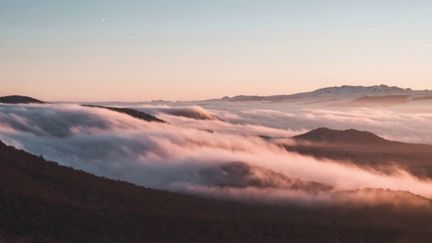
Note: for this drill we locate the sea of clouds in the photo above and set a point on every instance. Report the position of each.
(173, 155)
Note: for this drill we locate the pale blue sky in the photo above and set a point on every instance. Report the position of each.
(141, 50)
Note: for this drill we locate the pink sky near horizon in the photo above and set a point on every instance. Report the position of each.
(147, 50)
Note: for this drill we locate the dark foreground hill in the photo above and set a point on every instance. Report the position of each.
(17, 99)
(365, 149)
(41, 201)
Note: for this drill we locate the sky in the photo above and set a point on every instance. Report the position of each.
(137, 50)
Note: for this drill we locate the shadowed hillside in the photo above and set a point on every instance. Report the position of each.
(16, 99)
(364, 149)
(41, 201)
(351, 136)
(131, 112)
(242, 175)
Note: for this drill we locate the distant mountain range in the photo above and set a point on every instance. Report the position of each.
(345, 91)
(358, 94)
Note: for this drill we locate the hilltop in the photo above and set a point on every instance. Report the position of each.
(17, 99)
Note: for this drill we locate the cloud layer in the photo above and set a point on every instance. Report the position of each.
(229, 158)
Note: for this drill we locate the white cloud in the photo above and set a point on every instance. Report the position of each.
(171, 156)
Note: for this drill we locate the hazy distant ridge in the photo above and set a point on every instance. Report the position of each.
(338, 91)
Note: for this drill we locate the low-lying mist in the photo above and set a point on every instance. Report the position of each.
(222, 154)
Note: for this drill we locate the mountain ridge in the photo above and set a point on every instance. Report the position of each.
(352, 91)
(344, 90)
